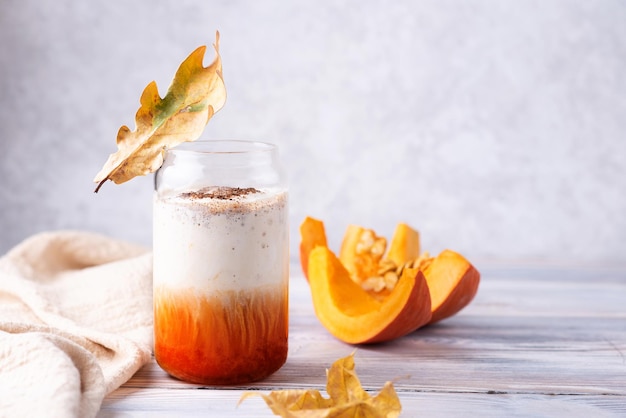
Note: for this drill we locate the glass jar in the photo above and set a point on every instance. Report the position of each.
(221, 262)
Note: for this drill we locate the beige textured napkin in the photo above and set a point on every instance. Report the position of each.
(75, 322)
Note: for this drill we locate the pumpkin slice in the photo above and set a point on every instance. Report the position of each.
(352, 315)
(312, 234)
(405, 245)
(361, 252)
(452, 282)
(363, 255)
(366, 295)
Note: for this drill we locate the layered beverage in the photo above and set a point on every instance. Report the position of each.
(221, 273)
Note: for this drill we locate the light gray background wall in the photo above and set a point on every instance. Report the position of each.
(496, 128)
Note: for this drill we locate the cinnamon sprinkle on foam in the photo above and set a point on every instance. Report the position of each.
(222, 193)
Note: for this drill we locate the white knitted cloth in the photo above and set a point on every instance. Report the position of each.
(75, 322)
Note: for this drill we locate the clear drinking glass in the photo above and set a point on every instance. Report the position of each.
(221, 262)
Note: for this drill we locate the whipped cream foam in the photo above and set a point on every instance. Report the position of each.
(221, 239)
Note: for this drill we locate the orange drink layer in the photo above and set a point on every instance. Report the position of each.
(223, 338)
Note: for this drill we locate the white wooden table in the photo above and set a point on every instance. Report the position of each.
(537, 341)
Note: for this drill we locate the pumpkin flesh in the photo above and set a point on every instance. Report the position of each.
(361, 252)
(313, 234)
(405, 245)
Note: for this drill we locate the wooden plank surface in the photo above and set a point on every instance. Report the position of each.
(536, 341)
(208, 403)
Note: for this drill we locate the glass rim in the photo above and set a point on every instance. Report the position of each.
(223, 146)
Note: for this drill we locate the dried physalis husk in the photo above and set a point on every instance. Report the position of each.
(347, 397)
(196, 94)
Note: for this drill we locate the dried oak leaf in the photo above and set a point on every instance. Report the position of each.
(347, 398)
(196, 94)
